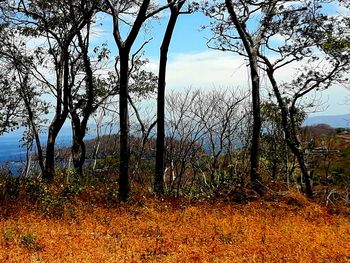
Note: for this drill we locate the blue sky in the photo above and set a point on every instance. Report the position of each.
(192, 64)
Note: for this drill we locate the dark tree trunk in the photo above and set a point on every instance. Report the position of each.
(124, 48)
(251, 47)
(50, 151)
(60, 117)
(159, 171)
(124, 187)
(255, 142)
(79, 126)
(290, 130)
(78, 145)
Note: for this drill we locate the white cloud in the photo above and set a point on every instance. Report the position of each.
(204, 70)
(214, 69)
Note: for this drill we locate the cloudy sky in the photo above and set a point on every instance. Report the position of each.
(192, 64)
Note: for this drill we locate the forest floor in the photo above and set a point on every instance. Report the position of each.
(287, 229)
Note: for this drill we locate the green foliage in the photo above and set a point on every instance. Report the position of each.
(30, 242)
(112, 194)
(35, 189)
(340, 174)
(9, 234)
(9, 187)
(73, 186)
(344, 152)
(222, 178)
(334, 44)
(51, 200)
(111, 162)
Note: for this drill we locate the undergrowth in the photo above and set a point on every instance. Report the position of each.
(80, 220)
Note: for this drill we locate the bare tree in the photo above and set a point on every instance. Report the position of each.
(202, 137)
(219, 113)
(184, 136)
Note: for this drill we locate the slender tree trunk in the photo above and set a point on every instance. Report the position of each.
(50, 154)
(54, 129)
(79, 126)
(290, 132)
(29, 146)
(78, 145)
(251, 47)
(35, 133)
(60, 117)
(124, 185)
(255, 142)
(159, 171)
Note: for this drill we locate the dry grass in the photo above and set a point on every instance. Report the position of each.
(153, 230)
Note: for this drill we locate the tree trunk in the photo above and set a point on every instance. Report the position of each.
(159, 171)
(50, 154)
(290, 132)
(124, 187)
(79, 126)
(78, 145)
(35, 133)
(255, 142)
(252, 49)
(61, 114)
(54, 129)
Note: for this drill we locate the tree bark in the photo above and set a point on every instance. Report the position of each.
(124, 185)
(255, 142)
(50, 148)
(251, 47)
(78, 145)
(60, 116)
(79, 126)
(159, 170)
(290, 132)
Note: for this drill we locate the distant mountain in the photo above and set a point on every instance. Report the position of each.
(336, 121)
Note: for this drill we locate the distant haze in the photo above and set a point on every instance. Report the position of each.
(336, 121)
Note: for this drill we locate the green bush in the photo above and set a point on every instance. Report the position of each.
(30, 242)
(9, 234)
(11, 187)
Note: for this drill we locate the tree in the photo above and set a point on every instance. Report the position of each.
(141, 10)
(236, 33)
(304, 29)
(59, 22)
(160, 147)
(18, 62)
(184, 137)
(85, 98)
(218, 111)
(10, 104)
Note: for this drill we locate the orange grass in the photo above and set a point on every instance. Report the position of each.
(152, 230)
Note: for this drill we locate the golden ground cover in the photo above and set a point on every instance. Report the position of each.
(153, 230)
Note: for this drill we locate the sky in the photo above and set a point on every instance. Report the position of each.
(192, 64)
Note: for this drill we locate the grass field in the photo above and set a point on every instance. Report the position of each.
(289, 229)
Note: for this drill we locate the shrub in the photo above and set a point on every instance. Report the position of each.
(30, 242)
(11, 187)
(9, 234)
